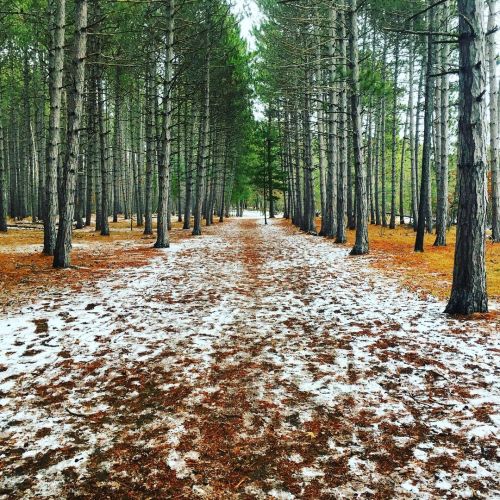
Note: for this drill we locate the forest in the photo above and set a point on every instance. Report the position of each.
(249, 249)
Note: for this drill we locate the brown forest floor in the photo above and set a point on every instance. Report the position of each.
(25, 272)
(252, 362)
(430, 272)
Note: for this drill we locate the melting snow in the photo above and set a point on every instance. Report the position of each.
(252, 359)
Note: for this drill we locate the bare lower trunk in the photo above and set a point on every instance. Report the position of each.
(148, 129)
(188, 158)
(330, 223)
(442, 199)
(162, 238)
(3, 183)
(468, 294)
(426, 155)
(80, 193)
(417, 138)
(401, 175)
(494, 139)
(342, 185)
(103, 159)
(361, 244)
(413, 161)
(76, 84)
(118, 166)
(392, 223)
(383, 210)
(308, 219)
(56, 62)
(203, 152)
(376, 180)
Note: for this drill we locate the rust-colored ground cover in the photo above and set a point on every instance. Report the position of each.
(25, 272)
(429, 272)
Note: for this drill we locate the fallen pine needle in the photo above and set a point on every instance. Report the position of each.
(240, 483)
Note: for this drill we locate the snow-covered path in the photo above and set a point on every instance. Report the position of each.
(253, 362)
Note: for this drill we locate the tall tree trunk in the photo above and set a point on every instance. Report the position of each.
(75, 102)
(308, 220)
(372, 144)
(298, 191)
(342, 134)
(35, 168)
(442, 162)
(136, 157)
(80, 193)
(118, 166)
(413, 160)
(401, 174)
(3, 180)
(203, 150)
(378, 146)
(223, 190)
(149, 125)
(320, 116)
(162, 239)
(189, 134)
(426, 155)
(417, 130)
(468, 294)
(331, 191)
(270, 166)
(57, 13)
(41, 139)
(494, 138)
(392, 223)
(103, 159)
(383, 210)
(179, 156)
(361, 245)
(89, 169)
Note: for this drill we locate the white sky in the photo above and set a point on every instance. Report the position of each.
(250, 16)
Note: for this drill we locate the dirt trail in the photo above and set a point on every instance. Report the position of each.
(254, 362)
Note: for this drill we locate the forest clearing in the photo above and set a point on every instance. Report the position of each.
(249, 249)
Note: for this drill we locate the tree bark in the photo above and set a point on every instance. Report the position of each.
(361, 245)
(442, 167)
(468, 294)
(3, 180)
(118, 166)
(331, 193)
(392, 223)
(383, 144)
(149, 125)
(494, 139)
(413, 160)
(75, 102)
(103, 159)
(203, 150)
(308, 219)
(343, 142)
(188, 168)
(162, 238)
(57, 13)
(426, 156)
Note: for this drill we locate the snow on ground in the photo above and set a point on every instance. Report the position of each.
(251, 362)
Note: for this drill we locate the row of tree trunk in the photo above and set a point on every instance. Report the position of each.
(110, 143)
(359, 125)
